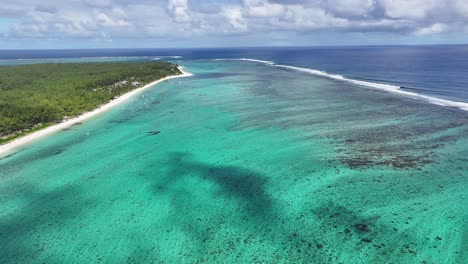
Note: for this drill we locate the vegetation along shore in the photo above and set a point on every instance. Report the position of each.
(33, 97)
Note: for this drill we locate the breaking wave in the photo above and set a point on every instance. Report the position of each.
(381, 86)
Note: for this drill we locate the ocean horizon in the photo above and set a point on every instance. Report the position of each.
(437, 71)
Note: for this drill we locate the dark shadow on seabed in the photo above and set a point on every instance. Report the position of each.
(238, 213)
(260, 221)
(21, 232)
(243, 185)
(239, 203)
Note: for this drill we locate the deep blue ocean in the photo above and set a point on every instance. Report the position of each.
(436, 71)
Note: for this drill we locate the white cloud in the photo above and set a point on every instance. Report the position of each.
(98, 3)
(235, 18)
(350, 7)
(310, 18)
(176, 19)
(180, 11)
(433, 29)
(263, 8)
(461, 7)
(412, 9)
(107, 21)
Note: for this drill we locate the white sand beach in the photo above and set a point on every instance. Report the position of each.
(7, 147)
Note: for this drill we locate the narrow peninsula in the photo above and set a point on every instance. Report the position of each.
(33, 97)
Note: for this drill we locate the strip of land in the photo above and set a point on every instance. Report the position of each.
(14, 144)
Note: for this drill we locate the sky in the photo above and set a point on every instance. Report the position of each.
(40, 24)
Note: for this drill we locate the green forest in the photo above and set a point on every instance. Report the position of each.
(34, 96)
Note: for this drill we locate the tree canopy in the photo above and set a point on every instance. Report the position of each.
(34, 95)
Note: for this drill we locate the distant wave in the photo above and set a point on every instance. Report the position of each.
(172, 57)
(381, 86)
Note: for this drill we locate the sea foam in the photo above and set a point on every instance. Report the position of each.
(381, 86)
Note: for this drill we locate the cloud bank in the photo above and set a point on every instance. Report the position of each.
(185, 19)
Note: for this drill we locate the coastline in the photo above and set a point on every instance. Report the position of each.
(9, 146)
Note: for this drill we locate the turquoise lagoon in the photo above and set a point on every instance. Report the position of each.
(252, 164)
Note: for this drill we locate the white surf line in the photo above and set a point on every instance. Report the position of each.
(7, 147)
(381, 86)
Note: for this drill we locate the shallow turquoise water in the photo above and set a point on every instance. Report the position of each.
(252, 164)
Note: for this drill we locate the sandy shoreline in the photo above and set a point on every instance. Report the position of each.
(55, 128)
